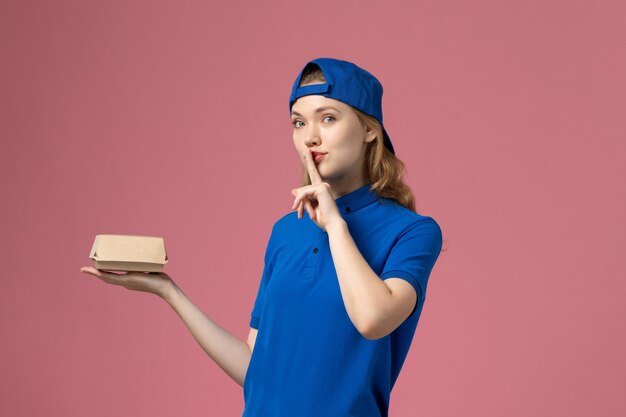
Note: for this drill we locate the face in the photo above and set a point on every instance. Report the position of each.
(330, 126)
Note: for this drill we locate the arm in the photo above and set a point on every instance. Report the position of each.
(230, 353)
(376, 307)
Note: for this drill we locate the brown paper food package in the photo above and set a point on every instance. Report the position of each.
(129, 253)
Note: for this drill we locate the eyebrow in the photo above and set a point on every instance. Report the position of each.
(320, 109)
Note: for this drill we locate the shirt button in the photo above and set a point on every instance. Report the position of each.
(348, 209)
(315, 250)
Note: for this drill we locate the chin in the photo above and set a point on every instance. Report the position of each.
(327, 176)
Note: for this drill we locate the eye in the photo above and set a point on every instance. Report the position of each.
(295, 122)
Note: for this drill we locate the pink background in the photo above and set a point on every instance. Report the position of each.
(171, 119)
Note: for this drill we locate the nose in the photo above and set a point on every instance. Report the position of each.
(312, 137)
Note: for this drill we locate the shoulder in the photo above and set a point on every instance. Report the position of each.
(403, 220)
(285, 221)
(287, 217)
(284, 226)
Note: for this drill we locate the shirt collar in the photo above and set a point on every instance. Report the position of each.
(356, 199)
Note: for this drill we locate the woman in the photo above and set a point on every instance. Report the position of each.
(343, 287)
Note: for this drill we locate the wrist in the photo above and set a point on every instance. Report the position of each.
(336, 226)
(169, 292)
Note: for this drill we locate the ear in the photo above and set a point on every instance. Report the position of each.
(370, 135)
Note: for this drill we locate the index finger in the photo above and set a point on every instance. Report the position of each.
(316, 178)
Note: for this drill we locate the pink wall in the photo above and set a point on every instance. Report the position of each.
(170, 119)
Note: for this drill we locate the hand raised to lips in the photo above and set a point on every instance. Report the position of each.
(317, 198)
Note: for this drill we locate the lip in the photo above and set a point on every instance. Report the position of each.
(317, 156)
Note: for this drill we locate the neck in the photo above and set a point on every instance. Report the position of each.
(341, 187)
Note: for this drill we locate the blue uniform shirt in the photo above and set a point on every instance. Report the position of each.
(308, 358)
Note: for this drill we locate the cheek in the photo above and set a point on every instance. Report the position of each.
(350, 148)
(350, 156)
(297, 143)
(344, 157)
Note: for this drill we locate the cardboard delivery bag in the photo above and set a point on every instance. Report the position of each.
(129, 253)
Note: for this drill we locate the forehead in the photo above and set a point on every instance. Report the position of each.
(308, 104)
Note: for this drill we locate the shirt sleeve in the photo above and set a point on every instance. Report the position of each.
(413, 256)
(257, 310)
